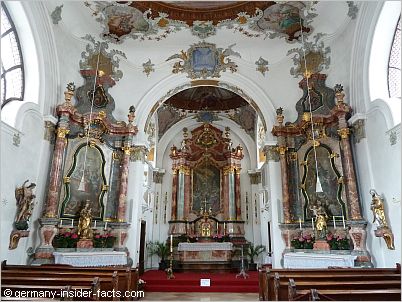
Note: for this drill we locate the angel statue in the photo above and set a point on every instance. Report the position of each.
(84, 223)
(25, 200)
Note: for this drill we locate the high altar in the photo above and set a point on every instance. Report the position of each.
(206, 195)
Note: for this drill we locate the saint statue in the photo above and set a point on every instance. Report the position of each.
(25, 197)
(321, 220)
(377, 206)
(84, 224)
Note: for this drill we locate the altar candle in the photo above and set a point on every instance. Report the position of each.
(171, 243)
(312, 223)
(343, 222)
(224, 228)
(95, 224)
(217, 227)
(105, 226)
(72, 223)
(300, 227)
(333, 219)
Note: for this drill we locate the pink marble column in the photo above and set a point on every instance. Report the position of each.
(174, 194)
(56, 172)
(349, 175)
(237, 194)
(285, 185)
(122, 203)
(187, 193)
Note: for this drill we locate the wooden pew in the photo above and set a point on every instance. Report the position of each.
(346, 291)
(267, 290)
(128, 277)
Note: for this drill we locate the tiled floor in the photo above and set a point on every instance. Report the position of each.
(167, 296)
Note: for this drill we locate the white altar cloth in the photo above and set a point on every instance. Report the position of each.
(315, 260)
(86, 259)
(204, 246)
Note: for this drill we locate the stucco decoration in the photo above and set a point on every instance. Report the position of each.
(148, 67)
(203, 29)
(316, 57)
(56, 14)
(353, 9)
(262, 65)
(203, 60)
(108, 61)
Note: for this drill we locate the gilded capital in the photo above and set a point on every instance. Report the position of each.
(184, 169)
(126, 149)
(62, 132)
(344, 133)
(138, 153)
(282, 150)
(228, 169)
(271, 153)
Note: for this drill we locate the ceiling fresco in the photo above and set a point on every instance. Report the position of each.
(146, 20)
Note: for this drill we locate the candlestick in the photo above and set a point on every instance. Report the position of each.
(95, 224)
(343, 222)
(72, 223)
(171, 243)
(224, 228)
(312, 223)
(300, 227)
(333, 219)
(105, 228)
(217, 227)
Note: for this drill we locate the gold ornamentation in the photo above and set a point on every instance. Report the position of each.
(303, 186)
(316, 143)
(304, 163)
(282, 149)
(105, 188)
(207, 138)
(116, 155)
(344, 133)
(184, 169)
(92, 144)
(101, 114)
(84, 223)
(306, 116)
(293, 156)
(62, 132)
(66, 179)
(126, 149)
(228, 169)
(334, 155)
(341, 180)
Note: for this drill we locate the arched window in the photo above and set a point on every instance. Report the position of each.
(394, 64)
(12, 66)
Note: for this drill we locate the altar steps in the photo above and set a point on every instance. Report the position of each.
(156, 281)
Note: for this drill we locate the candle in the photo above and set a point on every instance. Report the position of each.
(312, 223)
(224, 228)
(300, 227)
(95, 224)
(72, 223)
(343, 222)
(61, 223)
(105, 226)
(171, 243)
(333, 219)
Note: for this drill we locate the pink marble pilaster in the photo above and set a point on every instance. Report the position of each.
(225, 195)
(55, 173)
(122, 205)
(285, 185)
(174, 194)
(237, 194)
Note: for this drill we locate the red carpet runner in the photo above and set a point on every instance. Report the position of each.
(156, 281)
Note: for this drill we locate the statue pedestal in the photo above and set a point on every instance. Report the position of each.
(84, 244)
(321, 245)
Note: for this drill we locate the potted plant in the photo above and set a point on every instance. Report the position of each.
(160, 249)
(253, 252)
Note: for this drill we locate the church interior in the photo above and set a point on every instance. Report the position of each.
(221, 150)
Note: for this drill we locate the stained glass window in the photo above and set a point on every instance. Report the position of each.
(394, 64)
(12, 67)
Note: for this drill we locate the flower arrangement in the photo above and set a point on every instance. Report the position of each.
(141, 284)
(338, 242)
(303, 241)
(67, 239)
(105, 240)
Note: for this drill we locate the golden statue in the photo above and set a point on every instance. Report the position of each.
(321, 220)
(25, 197)
(377, 206)
(84, 224)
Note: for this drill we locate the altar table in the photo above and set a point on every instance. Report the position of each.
(208, 252)
(317, 260)
(87, 259)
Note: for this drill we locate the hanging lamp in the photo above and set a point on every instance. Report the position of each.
(307, 74)
(82, 184)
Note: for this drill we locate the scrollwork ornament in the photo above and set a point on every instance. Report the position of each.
(344, 133)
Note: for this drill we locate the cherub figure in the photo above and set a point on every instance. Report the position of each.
(25, 197)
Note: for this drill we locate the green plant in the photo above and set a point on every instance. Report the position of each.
(103, 240)
(338, 242)
(160, 249)
(254, 251)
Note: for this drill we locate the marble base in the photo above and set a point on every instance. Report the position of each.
(321, 245)
(84, 244)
